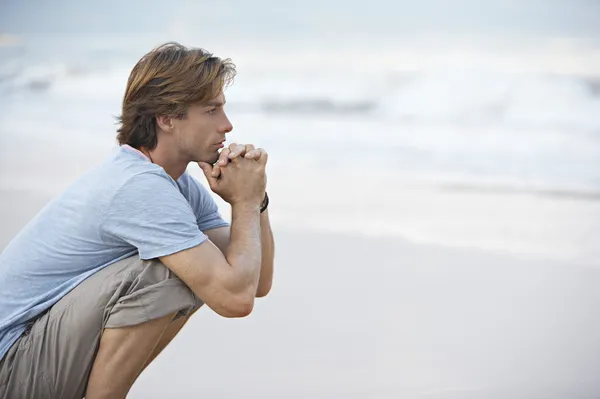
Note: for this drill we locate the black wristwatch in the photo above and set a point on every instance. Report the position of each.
(265, 203)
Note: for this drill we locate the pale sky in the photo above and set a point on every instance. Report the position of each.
(540, 17)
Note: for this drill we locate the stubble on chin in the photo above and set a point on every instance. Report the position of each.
(211, 158)
(208, 157)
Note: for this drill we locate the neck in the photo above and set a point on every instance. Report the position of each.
(173, 164)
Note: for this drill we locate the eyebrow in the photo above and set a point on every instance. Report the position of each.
(215, 103)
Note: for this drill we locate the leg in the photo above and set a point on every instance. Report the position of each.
(122, 354)
(170, 333)
(122, 350)
(129, 301)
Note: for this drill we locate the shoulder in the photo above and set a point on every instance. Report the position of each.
(149, 196)
(131, 165)
(146, 185)
(131, 171)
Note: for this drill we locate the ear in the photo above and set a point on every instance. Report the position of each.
(165, 122)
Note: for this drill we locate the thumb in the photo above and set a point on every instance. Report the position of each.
(207, 169)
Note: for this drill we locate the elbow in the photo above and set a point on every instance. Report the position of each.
(239, 306)
(242, 310)
(242, 305)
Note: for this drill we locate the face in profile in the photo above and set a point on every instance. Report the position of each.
(201, 134)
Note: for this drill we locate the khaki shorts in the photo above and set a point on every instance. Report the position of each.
(54, 356)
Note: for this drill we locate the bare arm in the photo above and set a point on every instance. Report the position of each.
(268, 255)
(221, 237)
(226, 283)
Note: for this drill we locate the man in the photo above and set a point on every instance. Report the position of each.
(106, 274)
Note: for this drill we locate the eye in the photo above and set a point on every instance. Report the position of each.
(212, 111)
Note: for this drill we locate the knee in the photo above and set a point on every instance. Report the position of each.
(150, 291)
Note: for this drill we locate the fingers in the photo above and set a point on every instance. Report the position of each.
(216, 170)
(228, 154)
(208, 173)
(254, 153)
(239, 150)
(235, 151)
(260, 155)
(249, 148)
(223, 157)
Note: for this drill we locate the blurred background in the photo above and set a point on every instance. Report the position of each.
(434, 176)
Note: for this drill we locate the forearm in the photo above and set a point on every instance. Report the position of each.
(268, 254)
(244, 252)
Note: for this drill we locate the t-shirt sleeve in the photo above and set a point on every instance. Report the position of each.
(203, 205)
(150, 213)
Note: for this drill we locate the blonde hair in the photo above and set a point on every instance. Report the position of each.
(165, 82)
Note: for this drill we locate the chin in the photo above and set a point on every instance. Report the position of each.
(211, 159)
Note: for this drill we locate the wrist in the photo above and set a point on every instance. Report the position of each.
(247, 204)
(265, 203)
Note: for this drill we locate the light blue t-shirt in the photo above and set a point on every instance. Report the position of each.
(126, 205)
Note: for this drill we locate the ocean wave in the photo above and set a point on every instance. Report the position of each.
(307, 105)
(537, 101)
(15, 77)
(508, 99)
(457, 97)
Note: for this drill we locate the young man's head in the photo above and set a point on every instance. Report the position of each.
(174, 98)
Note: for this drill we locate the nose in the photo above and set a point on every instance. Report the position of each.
(227, 126)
